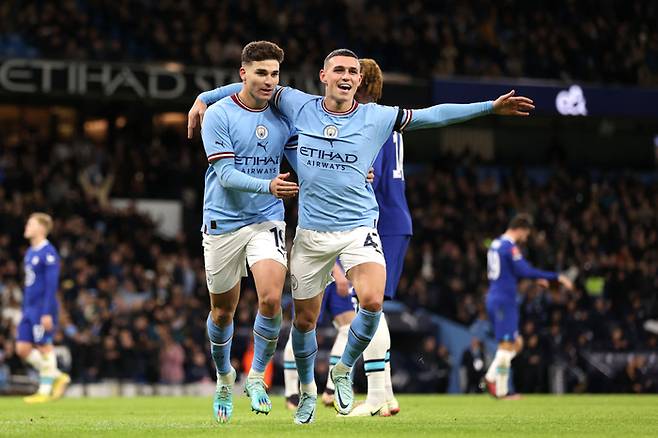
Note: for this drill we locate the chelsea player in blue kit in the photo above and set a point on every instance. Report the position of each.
(505, 266)
(40, 310)
(244, 139)
(338, 142)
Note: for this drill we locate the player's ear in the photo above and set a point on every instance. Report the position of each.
(360, 80)
(323, 76)
(243, 73)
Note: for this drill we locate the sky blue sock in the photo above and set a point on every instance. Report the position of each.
(305, 347)
(362, 330)
(220, 345)
(266, 335)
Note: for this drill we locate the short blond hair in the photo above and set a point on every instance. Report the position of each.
(44, 219)
(373, 79)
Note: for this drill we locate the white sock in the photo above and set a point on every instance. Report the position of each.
(341, 368)
(50, 365)
(374, 360)
(388, 383)
(337, 351)
(309, 388)
(35, 359)
(253, 374)
(38, 362)
(290, 377)
(49, 372)
(490, 376)
(503, 361)
(225, 379)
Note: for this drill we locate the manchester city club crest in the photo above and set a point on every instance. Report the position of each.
(261, 132)
(330, 131)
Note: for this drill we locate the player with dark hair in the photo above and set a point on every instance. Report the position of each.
(338, 142)
(505, 266)
(395, 229)
(245, 139)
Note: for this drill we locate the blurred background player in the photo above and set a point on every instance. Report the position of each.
(395, 229)
(40, 310)
(243, 220)
(338, 305)
(505, 266)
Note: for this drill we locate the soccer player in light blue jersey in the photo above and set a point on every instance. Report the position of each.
(40, 310)
(505, 266)
(338, 142)
(244, 139)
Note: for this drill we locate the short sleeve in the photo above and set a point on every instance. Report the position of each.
(214, 132)
(384, 118)
(290, 101)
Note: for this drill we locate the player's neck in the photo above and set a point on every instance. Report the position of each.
(510, 236)
(337, 106)
(37, 242)
(250, 101)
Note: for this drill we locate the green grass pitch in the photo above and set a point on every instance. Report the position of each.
(439, 415)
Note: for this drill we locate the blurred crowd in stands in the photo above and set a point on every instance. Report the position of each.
(584, 40)
(134, 304)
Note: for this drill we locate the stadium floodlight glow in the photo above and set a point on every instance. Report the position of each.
(571, 102)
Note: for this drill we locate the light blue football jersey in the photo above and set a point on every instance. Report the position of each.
(336, 150)
(334, 153)
(254, 140)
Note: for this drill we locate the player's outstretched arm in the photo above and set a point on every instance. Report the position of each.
(288, 105)
(450, 113)
(523, 269)
(511, 105)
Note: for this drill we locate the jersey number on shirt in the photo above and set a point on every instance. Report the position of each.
(398, 172)
(493, 265)
(279, 240)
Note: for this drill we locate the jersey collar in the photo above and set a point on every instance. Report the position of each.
(41, 245)
(508, 238)
(242, 105)
(355, 104)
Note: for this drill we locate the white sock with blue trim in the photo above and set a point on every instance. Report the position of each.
(290, 378)
(374, 362)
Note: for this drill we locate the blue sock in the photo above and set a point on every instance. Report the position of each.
(362, 330)
(305, 347)
(266, 335)
(220, 345)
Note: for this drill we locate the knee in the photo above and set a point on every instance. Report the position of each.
(305, 321)
(372, 302)
(269, 304)
(23, 350)
(221, 317)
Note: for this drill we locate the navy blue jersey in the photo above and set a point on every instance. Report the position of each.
(41, 280)
(505, 266)
(389, 186)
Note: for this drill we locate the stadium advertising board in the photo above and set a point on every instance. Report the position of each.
(552, 98)
(94, 80)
